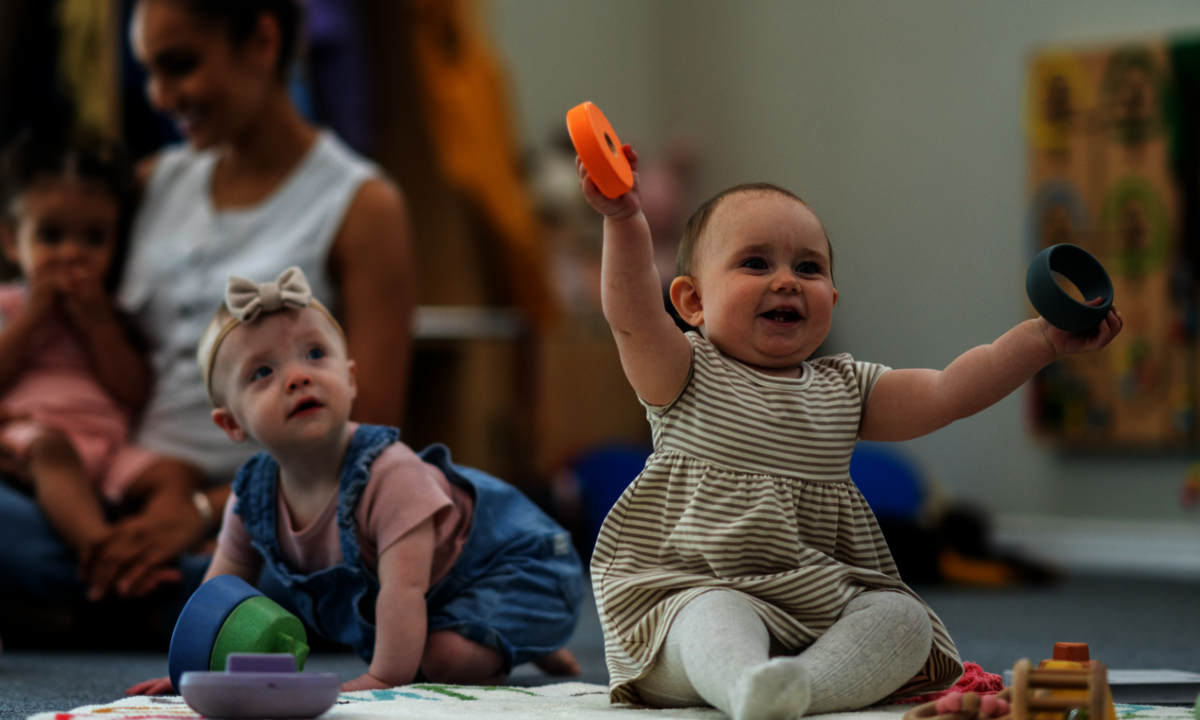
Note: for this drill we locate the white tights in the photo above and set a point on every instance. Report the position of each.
(718, 652)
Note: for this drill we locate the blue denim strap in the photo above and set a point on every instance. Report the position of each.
(366, 446)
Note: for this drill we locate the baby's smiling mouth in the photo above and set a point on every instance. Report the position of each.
(305, 405)
(781, 315)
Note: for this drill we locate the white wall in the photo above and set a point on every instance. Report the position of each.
(901, 124)
(562, 52)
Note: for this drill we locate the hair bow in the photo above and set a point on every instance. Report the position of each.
(247, 299)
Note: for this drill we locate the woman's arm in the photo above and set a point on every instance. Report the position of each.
(400, 612)
(372, 263)
(905, 404)
(655, 355)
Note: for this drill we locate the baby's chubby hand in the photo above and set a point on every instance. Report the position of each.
(618, 208)
(1068, 343)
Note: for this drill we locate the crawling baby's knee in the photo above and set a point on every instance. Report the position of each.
(451, 658)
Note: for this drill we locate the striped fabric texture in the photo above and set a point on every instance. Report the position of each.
(748, 489)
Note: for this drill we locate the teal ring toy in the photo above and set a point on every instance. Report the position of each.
(1053, 303)
(200, 622)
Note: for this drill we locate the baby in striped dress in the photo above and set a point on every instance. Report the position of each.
(742, 569)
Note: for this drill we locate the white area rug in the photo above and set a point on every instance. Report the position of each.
(577, 701)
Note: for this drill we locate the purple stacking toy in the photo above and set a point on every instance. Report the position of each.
(259, 685)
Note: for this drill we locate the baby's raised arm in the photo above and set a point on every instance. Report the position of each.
(655, 355)
(909, 403)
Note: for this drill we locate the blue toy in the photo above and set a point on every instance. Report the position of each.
(227, 615)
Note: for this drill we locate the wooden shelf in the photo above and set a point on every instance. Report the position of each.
(465, 322)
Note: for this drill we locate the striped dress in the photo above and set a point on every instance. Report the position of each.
(748, 489)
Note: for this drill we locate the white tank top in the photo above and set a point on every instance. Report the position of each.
(181, 253)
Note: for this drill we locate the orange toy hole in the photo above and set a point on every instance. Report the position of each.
(599, 149)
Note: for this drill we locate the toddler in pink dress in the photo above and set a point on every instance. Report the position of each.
(70, 377)
(59, 394)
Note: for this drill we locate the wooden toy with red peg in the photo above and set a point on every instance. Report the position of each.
(1068, 686)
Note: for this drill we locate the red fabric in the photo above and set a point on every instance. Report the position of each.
(974, 679)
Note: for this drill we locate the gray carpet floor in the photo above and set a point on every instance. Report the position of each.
(1129, 623)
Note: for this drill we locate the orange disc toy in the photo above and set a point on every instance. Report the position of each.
(600, 150)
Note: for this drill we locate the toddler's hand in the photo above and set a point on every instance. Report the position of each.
(366, 681)
(1066, 343)
(85, 299)
(618, 208)
(44, 290)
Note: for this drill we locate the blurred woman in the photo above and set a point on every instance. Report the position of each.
(255, 189)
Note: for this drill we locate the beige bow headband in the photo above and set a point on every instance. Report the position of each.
(245, 301)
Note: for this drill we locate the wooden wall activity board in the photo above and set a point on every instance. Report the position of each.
(1113, 168)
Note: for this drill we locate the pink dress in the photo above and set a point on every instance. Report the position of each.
(58, 389)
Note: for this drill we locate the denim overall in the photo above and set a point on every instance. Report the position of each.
(516, 586)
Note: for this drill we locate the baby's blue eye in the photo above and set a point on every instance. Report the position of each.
(809, 268)
(754, 263)
(315, 354)
(260, 373)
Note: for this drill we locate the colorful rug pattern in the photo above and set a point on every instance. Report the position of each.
(579, 701)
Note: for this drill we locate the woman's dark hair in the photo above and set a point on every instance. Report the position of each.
(33, 156)
(240, 17)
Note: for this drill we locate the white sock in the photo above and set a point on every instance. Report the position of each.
(779, 689)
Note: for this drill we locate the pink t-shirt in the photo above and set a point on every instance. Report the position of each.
(402, 492)
(58, 388)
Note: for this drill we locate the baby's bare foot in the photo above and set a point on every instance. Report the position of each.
(559, 662)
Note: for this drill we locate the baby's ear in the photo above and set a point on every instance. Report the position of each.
(227, 422)
(685, 296)
(353, 378)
